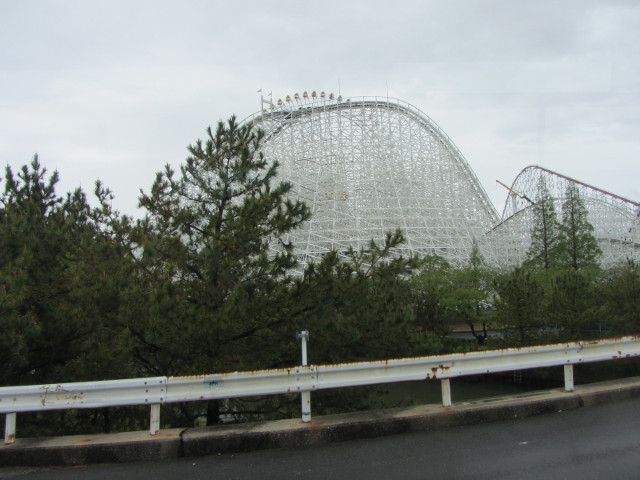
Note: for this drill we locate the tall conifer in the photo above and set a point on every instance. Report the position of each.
(215, 254)
(60, 284)
(579, 246)
(545, 234)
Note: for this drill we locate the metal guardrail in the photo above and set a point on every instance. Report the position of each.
(305, 379)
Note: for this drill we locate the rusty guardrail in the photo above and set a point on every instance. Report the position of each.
(305, 379)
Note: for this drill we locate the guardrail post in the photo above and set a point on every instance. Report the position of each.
(9, 428)
(304, 396)
(568, 378)
(446, 392)
(154, 424)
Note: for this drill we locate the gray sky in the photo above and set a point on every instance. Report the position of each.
(116, 89)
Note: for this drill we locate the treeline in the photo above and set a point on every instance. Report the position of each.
(195, 287)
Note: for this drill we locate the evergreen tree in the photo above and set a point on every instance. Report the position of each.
(544, 251)
(574, 305)
(578, 245)
(215, 261)
(518, 305)
(432, 287)
(361, 307)
(59, 288)
(622, 299)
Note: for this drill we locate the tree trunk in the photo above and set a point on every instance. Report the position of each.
(479, 337)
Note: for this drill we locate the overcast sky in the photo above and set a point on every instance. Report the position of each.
(116, 89)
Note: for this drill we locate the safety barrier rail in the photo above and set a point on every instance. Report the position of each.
(304, 379)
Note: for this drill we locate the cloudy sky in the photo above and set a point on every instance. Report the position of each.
(117, 89)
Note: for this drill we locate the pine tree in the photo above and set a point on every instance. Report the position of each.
(361, 306)
(544, 251)
(214, 259)
(59, 284)
(578, 246)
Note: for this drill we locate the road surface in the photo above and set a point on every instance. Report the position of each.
(601, 442)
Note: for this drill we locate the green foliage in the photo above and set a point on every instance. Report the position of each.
(518, 305)
(574, 305)
(578, 245)
(563, 259)
(544, 251)
(621, 298)
(447, 297)
(357, 309)
(203, 284)
(210, 287)
(360, 308)
(58, 284)
(214, 289)
(471, 297)
(432, 287)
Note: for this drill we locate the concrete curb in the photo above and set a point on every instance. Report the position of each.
(86, 449)
(175, 443)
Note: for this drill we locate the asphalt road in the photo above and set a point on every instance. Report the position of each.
(588, 443)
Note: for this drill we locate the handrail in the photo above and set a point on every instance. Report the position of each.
(163, 390)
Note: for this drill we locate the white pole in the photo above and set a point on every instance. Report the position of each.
(568, 378)
(304, 336)
(154, 424)
(305, 396)
(446, 392)
(10, 428)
